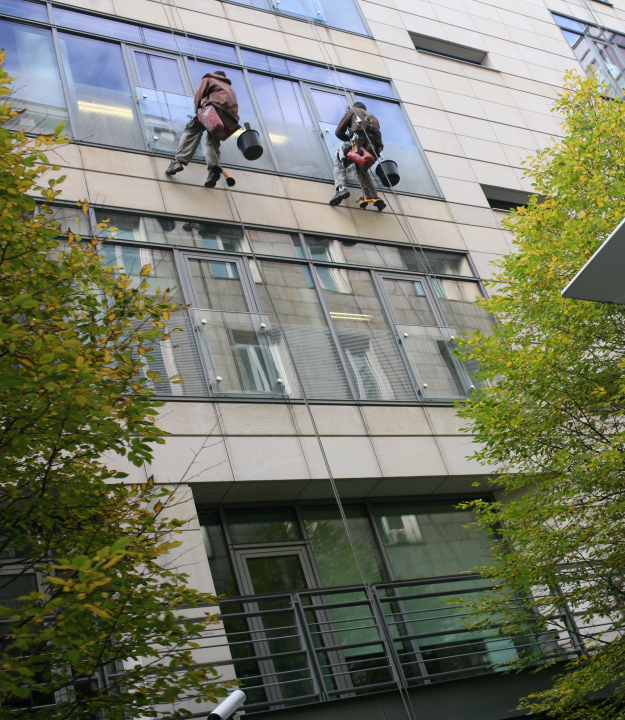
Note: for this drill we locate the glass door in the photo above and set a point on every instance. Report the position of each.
(164, 97)
(426, 342)
(233, 338)
(277, 572)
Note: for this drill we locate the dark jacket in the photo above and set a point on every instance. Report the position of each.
(349, 122)
(218, 91)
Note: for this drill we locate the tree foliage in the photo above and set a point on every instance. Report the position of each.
(85, 590)
(552, 418)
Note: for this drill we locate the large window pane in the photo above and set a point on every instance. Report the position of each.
(374, 361)
(230, 153)
(97, 25)
(266, 242)
(333, 553)
(309, 339)
(400, 146)
(261, 525)
(343, 14)
(100, 92)
(129, 261)
(458, 300)
(24, 9)
(37, 90)
(291, 131)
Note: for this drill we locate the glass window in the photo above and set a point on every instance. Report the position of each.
(369, 346)
(291, 131)
(24, 9)
(261, 61)
(217, 285)
(365, 84)
(100, 92)
(400, 146)
(69, 218)
(13, 587)
(159, 73)
(267, 242)
(213, 51)
(458, 300)
(261, 525)
(333, 553)
(97, 25)
(430, 539)
(217, 553)
(409, 301)
(230, 153)
(165, 40)
(311, 346)
(31, 60)
(129, 260)
(569, 24)
(305, 71)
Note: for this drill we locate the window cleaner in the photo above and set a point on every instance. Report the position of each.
(362, 146)
(217, 112)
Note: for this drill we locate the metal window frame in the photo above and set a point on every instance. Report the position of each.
(132, 74)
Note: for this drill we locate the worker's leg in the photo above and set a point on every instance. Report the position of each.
(189, 141)
(368, 189)
(213, 160)
(340, 175)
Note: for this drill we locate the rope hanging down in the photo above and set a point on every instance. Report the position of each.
(417, 247)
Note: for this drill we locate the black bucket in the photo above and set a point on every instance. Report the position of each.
(248, 143)
(388, 173)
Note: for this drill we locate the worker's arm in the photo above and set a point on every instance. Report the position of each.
(202, 91)
(344, 125)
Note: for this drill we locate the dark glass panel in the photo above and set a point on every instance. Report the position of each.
(276, 573)
(261, 525)
(217, 553)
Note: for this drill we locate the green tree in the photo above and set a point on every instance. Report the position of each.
(92, 621)
(551, 417)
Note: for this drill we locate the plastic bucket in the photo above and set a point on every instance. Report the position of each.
(248, 143)
(388, 173)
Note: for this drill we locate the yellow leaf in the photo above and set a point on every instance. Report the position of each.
(146, 270)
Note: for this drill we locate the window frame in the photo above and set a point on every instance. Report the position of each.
(128, 46)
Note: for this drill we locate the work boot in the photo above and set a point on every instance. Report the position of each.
(175, 166)
(380, 204)
(341, 194)
(214, 174)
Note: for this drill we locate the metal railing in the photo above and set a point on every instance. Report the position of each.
(316, 645)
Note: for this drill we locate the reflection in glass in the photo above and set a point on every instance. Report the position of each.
(24, 9)
(276, 573)
(409, 302)
(374, 361)
(129, 260)
(165, 115)
(333, 553)
(217, 553)
(400, 146)
(388, 256)
(458, 300)
(291, 130)
(97, 25)
(37, 90)
(217, 285)
(310, 345)
(266, 242)
(100, 92)
(261, 525)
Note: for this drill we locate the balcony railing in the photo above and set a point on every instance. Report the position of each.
(245, 354)
(318, 645)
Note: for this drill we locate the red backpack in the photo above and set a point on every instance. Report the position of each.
(209, 116)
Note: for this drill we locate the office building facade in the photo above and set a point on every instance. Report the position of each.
(316, 356)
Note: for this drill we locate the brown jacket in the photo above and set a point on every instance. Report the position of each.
(349, 122)
(218, 91)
